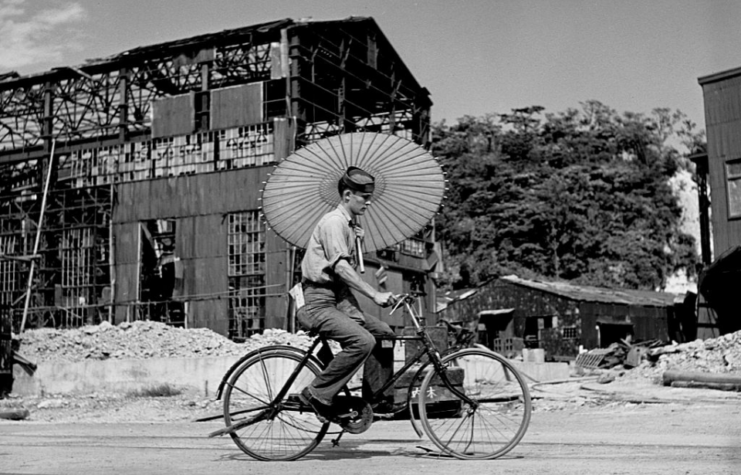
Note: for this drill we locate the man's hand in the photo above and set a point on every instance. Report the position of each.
(384, 299)
(348, 275)
(359, 232)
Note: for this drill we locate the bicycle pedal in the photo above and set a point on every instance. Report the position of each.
(294, 402)
(349, 415)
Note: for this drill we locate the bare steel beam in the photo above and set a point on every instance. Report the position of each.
(29, 286)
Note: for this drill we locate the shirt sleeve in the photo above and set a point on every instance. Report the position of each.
(333, 236)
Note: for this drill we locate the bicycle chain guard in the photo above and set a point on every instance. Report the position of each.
(352, 413)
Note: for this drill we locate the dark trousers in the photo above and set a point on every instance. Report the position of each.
(334, 313)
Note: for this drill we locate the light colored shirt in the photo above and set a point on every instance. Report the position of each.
(333, 239)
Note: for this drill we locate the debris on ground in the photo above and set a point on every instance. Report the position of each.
(650, 360)
(622, 353)
(109, 408)
(721, 355)
(142, 340)
(15, 414)
(715, 355)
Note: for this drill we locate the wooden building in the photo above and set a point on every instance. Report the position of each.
(155, 158)
(719, 174)
(561, 317)
(722, 98)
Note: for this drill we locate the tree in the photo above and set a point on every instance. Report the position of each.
(580, 195)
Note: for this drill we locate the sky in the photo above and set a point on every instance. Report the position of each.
(475, 56)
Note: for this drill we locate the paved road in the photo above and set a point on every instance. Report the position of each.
(623, 439)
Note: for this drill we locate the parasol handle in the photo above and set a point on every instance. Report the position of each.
(359, 249)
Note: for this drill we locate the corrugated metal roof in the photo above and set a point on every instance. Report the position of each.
(598, 294)
(719, 76)
(443, 300)
(172, 47)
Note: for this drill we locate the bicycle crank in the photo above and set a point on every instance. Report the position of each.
(352, 413)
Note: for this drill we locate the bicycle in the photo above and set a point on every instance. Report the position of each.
(472, 403)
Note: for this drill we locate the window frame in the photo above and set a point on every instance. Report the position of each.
(733, 177)
(246, 262)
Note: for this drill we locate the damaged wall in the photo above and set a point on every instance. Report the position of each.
(199, 205)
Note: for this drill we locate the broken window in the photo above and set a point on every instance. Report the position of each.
(246, 146)
(77, 289)
(414, 247)
(10, 271)
(161, 273)
(246, 275)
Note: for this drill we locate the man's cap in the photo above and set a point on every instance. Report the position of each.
(358, 180)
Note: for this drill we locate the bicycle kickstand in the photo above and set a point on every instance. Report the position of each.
(336, 442)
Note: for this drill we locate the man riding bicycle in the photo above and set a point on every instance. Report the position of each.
(331, 309)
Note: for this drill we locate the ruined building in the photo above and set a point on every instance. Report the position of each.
(129, 185)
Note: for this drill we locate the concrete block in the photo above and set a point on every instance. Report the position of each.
(192, 375)
(542, 371)
(534, 355)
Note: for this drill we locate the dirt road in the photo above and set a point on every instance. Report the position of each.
(570, 438)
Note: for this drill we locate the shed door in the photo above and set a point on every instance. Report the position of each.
(609, 333)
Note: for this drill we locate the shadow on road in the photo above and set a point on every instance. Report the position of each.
(357, 451)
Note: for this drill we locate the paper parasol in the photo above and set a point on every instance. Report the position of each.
(303, 187)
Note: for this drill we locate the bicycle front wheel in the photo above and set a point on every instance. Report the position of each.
(493, 417)
(283, 430)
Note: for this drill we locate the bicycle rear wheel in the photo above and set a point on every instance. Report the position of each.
(495, 419)
(283, 430)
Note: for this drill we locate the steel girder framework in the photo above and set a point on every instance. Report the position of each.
(324, 77)
(337, 77)
(346, 78)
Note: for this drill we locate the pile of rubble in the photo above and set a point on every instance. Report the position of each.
(620, 355)
(140, 340)
(715, 355)
(720, 355)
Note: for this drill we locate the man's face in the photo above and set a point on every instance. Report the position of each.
(359, 202)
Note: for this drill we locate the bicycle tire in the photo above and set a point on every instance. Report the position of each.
(497, 420)
(412, 402)
(252, 388)
(251, 354)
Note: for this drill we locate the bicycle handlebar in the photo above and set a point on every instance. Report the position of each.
(401, 299)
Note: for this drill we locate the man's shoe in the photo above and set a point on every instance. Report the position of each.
(322, 411)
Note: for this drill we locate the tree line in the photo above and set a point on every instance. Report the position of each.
(581, 195)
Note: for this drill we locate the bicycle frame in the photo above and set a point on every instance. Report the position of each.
(460, 425)
(429, 349)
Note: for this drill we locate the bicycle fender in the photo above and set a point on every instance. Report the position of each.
(255, 352)
(412, 419)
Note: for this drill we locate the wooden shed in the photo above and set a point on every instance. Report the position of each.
(561, 317)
